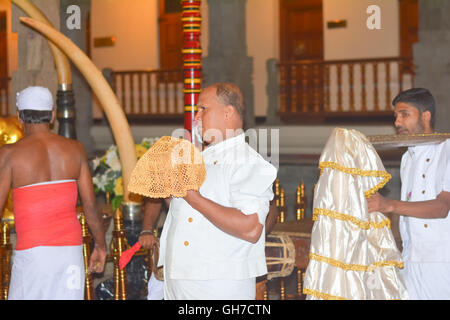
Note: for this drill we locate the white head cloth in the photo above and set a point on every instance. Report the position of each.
(34, 98)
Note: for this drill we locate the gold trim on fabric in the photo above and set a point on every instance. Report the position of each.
(321, 295)
(355, 267)
(365, 173)
(345, 217)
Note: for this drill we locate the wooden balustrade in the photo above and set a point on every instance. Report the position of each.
(155, 93)
(313, 89)
(4, 97)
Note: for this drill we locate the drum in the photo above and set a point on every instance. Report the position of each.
(280, 256)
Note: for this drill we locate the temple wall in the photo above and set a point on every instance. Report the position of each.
(262, 34)
(34, 59)
(357, 41)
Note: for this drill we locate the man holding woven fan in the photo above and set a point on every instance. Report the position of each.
(213, 242)
(425, 195)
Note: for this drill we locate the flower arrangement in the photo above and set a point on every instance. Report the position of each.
(107, 176)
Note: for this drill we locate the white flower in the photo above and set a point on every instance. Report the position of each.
(95, 163)
(148, 140)
(100, 181)
(112, 148)
(114, 163)
(111, 159)
(111, 155)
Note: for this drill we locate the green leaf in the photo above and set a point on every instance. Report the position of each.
(116, 202)
(109, 188)
(104, 165)
(111, 174)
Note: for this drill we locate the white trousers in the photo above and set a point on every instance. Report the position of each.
(427, 281)
(210, 289)
(47, 273)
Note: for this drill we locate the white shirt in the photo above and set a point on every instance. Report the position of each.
(425, 172)
(191, 247)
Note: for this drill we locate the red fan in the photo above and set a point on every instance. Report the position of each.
(128, 254)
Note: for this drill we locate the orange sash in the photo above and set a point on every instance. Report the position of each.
(45, 215)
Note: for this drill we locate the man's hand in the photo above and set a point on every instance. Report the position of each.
(97, 260)
(191, 196)
(379, 203)
(429, 209)
(147, 240)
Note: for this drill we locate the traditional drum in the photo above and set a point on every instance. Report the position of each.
(280, 256)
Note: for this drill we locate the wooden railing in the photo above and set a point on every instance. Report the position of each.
(4, 97)
(156, 93)
(326, 89)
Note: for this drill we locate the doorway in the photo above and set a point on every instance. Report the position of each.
(170, 34)
(3, 45)
(409, 25)
(301, 30)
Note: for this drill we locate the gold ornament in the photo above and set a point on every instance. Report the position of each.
(10, 132)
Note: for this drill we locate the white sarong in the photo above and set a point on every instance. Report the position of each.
(47, 273)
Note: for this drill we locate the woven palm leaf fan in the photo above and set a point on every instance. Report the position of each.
(170, 167)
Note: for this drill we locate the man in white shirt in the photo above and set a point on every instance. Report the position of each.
(212, 243)
(425, 195)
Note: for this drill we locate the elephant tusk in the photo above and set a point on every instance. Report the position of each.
(113, 110)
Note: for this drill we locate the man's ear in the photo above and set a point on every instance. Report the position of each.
(229, 112)
(19, 118)
(426, 118)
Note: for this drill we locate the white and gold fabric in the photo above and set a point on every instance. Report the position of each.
(353, 254)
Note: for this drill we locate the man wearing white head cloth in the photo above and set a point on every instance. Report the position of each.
(46, 171)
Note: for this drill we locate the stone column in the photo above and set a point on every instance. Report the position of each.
(431, 56)
(36, 66)
(273, 92)
(81, 89)
(227, 59)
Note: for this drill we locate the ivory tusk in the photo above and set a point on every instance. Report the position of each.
(61, 61)
(113, 110)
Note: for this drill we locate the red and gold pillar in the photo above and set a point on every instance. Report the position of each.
(192, 58)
